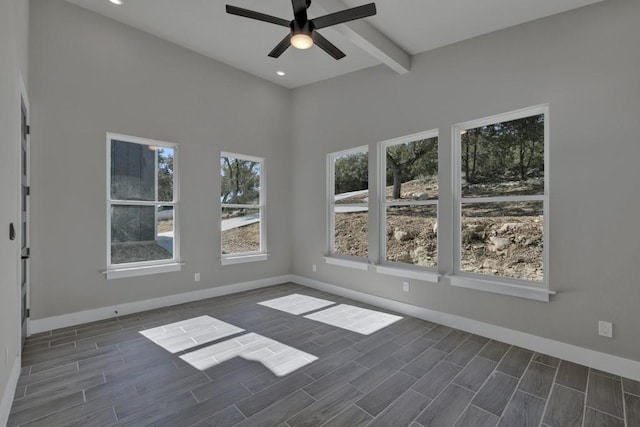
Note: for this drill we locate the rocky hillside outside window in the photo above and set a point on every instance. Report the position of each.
(502, 197)
(409, 200)
(349, 203)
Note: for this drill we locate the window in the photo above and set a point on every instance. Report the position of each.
(349, 202)
(242, 198)
(409, 200)
(142, 202)
(502, 198)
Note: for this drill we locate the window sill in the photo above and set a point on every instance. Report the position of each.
(427, 276)
(511, 289)
(120, 273)
(358, 265)
(241, 259)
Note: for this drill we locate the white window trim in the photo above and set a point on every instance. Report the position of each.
(497, 284)
(116, 271)
(261, 254)
(332, 256)
(512, 287)
(409, 272)
(243, 258)
(429, 274)
(357, 263)
(119, 273)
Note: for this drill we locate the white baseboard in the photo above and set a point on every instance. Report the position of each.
(605, 362)
(65, 320)
(9, 392)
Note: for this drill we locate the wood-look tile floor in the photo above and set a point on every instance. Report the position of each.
(412, 373)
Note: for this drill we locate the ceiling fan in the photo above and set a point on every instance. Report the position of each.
(303, 32)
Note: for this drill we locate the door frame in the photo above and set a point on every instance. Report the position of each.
(24, 101)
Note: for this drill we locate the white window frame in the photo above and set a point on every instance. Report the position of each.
(116, 271)
(499, 284)
(332, 257)
(261, 254)
(385, 266)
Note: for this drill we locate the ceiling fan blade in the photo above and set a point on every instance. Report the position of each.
(327, 46)
(282, 46)
(344, 16)
(246, 13)
(299, 6)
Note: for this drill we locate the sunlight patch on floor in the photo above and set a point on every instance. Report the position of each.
(355, 319)
(186, 334)
(296, 303)
(281, 359)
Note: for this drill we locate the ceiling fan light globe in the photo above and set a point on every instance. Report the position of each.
(301, 41)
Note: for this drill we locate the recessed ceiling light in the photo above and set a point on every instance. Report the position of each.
(280, 73)
(116, 2)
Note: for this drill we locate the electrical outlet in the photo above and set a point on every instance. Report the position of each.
(196, 277)
(605, 329)
(314, 268)
(405, 286)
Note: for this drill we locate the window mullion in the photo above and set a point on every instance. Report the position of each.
(412, 203)
(233, 206)
(500, 199)
(140, 203)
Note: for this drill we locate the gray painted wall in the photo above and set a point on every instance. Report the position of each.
(585, 64)
(91, 75)
(13, 64)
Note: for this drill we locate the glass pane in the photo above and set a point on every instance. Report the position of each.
(240, 181)
(141, 233)
(240, 230)
(504, 159)
(165, 229)
(412, 170)
(133, 175)
(351, 231)
(165, 174)
(503, 239)
(352, 178)
(412, 235)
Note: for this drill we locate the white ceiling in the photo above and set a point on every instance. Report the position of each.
(400, 29)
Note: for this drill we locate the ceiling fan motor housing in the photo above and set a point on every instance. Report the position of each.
(305, 27)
